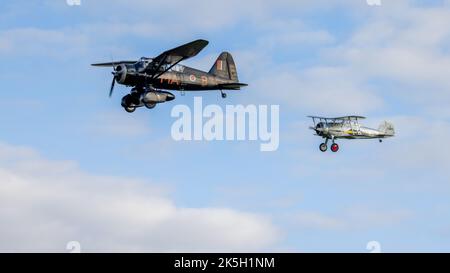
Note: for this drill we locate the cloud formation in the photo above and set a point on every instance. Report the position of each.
(45, 204)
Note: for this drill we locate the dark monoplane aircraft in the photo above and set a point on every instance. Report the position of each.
(149, 77)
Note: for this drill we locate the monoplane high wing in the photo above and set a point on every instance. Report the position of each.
(110, 64)
(165, 61)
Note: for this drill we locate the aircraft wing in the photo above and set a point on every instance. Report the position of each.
(350, 117)
(317, 117)
(338, 118)
(110, 64)
(172, 57)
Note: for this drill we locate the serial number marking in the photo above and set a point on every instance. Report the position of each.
(246, 262)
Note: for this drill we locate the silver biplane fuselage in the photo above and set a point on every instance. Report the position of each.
(349, 128)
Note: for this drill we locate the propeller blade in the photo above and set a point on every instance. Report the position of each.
(112, 86)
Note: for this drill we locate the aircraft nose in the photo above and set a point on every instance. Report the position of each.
(121, 73)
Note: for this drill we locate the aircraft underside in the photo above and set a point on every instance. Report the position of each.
(151, 96)
(335, 147)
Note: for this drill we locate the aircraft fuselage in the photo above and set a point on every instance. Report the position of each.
(348, 131)
(182, 78)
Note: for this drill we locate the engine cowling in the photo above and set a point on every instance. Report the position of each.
(121, 73)
(157, 97)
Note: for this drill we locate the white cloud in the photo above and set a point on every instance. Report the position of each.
(398, 43)
(320, 90)
(287, 33)
(419, 146)
(35, 41)
(403, 44)
(44, 204)
(350, 219)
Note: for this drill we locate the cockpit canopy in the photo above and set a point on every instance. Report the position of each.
(142, 64)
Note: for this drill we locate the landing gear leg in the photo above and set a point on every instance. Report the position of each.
(224, 95)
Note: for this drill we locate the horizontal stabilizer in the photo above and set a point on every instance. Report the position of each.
(232, 86)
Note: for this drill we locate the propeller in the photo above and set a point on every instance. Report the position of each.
(319, 130)
(111, 90)
(112, 84)
(119, 71)
(116, 76)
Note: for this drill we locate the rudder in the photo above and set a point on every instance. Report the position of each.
(387, 128)
(225, 67)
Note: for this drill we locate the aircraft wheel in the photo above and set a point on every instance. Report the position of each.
(135, 98)
(334, 148)
(224, 95)
(323, 147)
(126, 101)
(130, 109)
(150, 105)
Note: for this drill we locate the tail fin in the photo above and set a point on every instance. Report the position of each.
(387, 128)
(225, 67)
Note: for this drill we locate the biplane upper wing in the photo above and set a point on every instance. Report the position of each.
(317, 117)
(338, 118)
(172, 57)
(350, 117)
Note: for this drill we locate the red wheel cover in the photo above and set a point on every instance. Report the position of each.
(334, 147)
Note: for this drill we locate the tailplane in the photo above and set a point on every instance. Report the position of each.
(225, 67)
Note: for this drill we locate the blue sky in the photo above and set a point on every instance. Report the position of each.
(75, 166)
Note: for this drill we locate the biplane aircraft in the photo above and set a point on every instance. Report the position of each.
(149, 77)
(347, 127)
